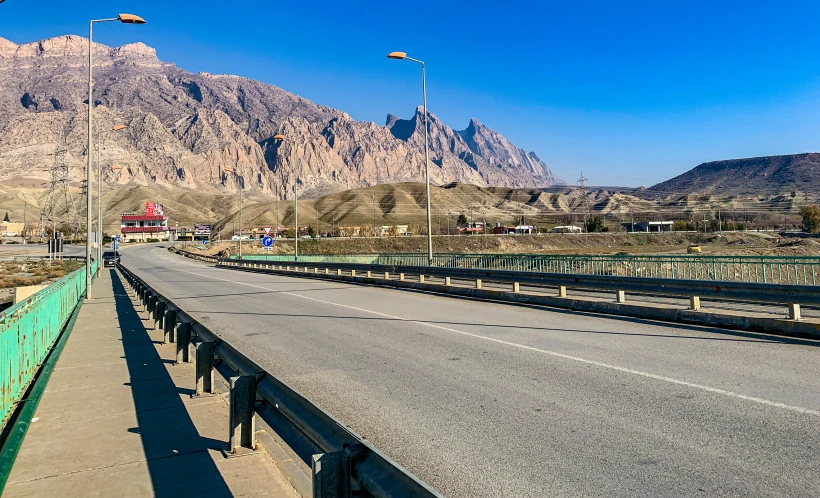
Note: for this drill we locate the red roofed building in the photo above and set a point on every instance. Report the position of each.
(151, 225)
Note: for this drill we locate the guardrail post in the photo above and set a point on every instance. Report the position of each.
(339, 272)
(327, 271)
(352, 273)
(241, 429)
(159, 314)
(694, 303)
(562, 291)
(620, 297)
(369, 275)
(447, 281)
(401, 276)
(516, 287)
(387, 275)
(421, 279)
(204, 368)
(151, 304)
(331, 475)
(183, 342)
(288, 268)
(478, 283)
(169, 325)
(794, 311)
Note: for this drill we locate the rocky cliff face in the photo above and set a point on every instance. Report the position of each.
(210, 132)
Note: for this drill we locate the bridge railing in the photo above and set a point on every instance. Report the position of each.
(342, 460)
(28, 331)
(789, 270)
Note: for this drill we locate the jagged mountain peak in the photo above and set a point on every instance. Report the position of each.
(187, 130)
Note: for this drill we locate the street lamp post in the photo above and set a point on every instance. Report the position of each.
(279, 136)
(400, 56)
(126, 19)
(99, 199)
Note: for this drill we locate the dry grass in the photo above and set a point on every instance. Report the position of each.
(22, 273)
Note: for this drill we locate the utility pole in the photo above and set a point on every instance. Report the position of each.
(276, 230)
(25, 206)
(374, 214)
(240, 222)
(449, 215)
(720, 222)
(632, 216)
(582, 192)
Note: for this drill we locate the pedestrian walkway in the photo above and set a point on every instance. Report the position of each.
(117, 419)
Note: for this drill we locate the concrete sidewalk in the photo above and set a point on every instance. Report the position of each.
(117, 419)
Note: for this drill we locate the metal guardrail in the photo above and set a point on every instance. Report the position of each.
(790, 270)
(791, 295)
(28, 330)
(344, 462)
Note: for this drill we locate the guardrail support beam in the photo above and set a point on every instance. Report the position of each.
(369, 274)
(401, 276)
(169, 325)
(183, 342)
(562, 291)
(387, 275)
(620, 297)
(331, 475)
(794, 311)
(447, 281)
(516, 287)
(242, 427)
(159, 314)
(478, 283)
(421, 279)
(204, 368)
(694, 303)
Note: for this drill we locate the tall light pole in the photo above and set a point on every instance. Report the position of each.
(400, 56)
(99, 200)
(279, 136)
(126, 19)
(231, 170)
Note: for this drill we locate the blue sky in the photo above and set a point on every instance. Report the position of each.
(630, 92)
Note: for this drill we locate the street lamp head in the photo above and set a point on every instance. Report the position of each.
(130, 19)
(397, 55)
(119, 127)
(279, 137)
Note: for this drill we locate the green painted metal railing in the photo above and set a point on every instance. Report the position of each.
(28, 330)
(799, 270)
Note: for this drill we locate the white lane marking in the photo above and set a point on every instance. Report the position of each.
(556, 354)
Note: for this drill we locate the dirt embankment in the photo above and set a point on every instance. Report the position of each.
(751, 243)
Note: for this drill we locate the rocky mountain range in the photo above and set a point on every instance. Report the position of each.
(213, 133)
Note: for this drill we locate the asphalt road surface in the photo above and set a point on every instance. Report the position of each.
(490, 399)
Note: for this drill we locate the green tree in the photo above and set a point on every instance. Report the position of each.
(811, 218)
(595, 224)
(462, 220)
(311, 231)
(6, 217)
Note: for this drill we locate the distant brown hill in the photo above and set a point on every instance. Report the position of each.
(769, 175)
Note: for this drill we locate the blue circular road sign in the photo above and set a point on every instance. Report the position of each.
(267, 241)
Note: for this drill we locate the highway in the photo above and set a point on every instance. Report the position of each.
(490, 399)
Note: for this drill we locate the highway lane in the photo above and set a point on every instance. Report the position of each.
(489, 399)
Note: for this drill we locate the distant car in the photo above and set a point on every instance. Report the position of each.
(694, 249)
(110, 258)
(10, 234)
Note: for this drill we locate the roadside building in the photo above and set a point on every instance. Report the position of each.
(471, 228)
(649, 226)
(151, 225)
(566, 229)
